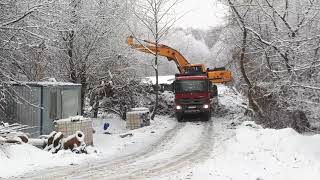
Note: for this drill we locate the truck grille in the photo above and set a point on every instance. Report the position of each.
(194, 101)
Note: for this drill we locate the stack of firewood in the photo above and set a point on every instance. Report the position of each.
(55, 142)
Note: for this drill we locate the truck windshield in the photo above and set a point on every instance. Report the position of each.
(191, 86)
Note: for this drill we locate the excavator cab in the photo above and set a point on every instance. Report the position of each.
(194, 69)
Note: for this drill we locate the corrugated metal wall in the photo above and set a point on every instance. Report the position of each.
(27, 110)
(71, 102)
(51, 100)
(58, 102)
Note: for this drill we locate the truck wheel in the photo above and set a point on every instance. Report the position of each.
(179, 117)
(206, 116)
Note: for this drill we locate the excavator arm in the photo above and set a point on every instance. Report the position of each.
(218, 75)
(163, 50)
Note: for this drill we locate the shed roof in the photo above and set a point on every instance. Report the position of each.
(43, 83)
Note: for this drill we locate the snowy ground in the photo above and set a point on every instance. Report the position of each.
(227, 147)
(16, 160)
(161, 80)
(260, 154)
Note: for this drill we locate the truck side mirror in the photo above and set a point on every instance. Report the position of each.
(214, 90)
(210, 89)
(173, 86)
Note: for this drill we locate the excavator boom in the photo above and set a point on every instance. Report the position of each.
(219, 75)
(165, 51)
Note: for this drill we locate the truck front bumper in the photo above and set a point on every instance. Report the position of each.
(192, 108)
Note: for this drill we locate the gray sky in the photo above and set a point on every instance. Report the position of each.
(203, 13)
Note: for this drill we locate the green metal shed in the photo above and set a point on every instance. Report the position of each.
(40, 103)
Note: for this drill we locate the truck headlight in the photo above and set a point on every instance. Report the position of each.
(206, 106)
(178, 107)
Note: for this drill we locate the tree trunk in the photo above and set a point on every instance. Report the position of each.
(156, 64)
(252, 103)
(242, 57)
(95, 107)
(72, 66)
(155, 109)
(83, 81)
(243, 71)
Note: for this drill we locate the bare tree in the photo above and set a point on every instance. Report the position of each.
(24, 29)
(280, 57)
(89, 41)
(74, 40)
(156, 16)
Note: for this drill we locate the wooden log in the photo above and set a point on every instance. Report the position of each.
(13, 140)
(74, 140)
(23, 138)
(56, 140)
(51, 137)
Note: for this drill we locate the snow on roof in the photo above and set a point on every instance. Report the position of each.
(73, 119)
(44, 83)
(168, 79)
(191, 77)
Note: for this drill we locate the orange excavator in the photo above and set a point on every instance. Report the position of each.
(217, 75)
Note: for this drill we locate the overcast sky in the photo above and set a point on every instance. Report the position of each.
(203, 13)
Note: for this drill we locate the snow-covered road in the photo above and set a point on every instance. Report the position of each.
(172, 153)
(181, 146)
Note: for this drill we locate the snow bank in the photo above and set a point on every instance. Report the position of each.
(16, 159)
(286, 146)
(266, 154)
(20, 158)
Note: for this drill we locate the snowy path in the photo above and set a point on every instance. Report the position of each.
(168, 157)
(170, 153)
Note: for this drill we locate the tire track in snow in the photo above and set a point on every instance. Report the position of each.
(113, 168)
(187, 158)
(148, 169)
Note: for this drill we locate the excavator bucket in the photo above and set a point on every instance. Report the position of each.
(219, 75)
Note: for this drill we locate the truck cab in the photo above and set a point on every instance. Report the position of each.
(193, 94)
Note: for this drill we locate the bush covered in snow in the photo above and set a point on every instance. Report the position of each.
(121, 98)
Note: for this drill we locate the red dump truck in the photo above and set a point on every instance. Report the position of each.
(193, 95)
(194, 87)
